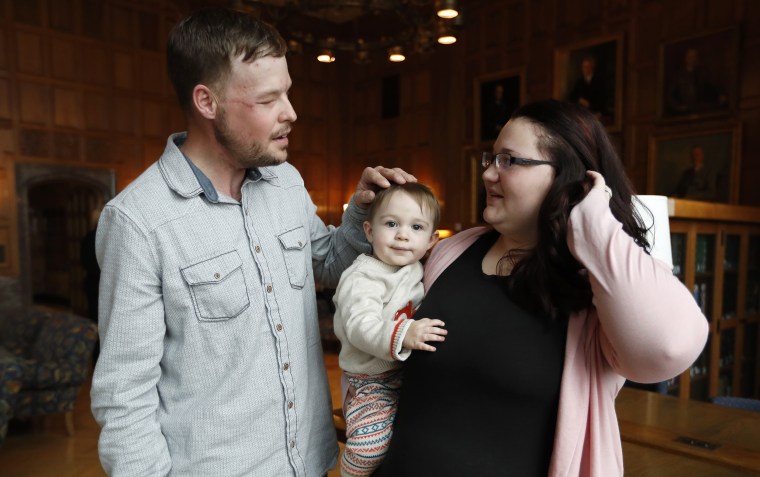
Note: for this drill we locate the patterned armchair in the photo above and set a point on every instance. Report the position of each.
(10, 383)
(53, 351)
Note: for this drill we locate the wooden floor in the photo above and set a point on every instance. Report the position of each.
(44, 450)
(48, 452)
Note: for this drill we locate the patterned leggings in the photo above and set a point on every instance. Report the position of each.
(370, 409)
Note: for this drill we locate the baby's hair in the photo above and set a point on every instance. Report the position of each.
(418, 192)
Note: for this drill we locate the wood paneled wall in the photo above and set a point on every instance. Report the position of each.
(524, 35)
(82, 83)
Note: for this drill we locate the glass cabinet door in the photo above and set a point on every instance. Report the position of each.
(750, 374)
(753, 277)
(726, 362)
(749, 382)
(704, 276)
(702, 290)
(719, 263)
(730, 277)
(678, 251)
(728, 318)
(700, 374)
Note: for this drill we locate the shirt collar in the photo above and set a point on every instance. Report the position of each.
(186, 179)
(208, 188)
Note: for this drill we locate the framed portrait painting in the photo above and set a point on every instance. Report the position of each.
(496, 97)
(696, 166)
(590, 73)
(698, 75)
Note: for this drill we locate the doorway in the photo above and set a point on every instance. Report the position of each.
(55, 213)
(59, 218)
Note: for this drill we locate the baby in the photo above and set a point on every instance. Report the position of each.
(375, 300)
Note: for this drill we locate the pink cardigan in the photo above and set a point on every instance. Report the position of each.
(644, 325)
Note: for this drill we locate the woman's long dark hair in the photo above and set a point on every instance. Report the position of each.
(546, 280)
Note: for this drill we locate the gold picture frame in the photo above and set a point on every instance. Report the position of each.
(698, 76)
(696, 165)
(496, 96)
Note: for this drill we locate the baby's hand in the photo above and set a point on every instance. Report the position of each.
(424, 330)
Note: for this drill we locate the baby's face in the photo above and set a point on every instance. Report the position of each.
(401, 232)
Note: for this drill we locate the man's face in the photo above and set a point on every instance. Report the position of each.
(691, 59)
(254, 115)
(587, 67)
(697, 157)
(498, 92)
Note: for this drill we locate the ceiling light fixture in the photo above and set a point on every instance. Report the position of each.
(364, 29)
(396, 54)
(446, 9)
(445, 34)
(326, 56)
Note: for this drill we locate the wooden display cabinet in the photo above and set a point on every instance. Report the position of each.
(716, 254)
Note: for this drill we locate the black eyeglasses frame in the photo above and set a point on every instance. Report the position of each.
(488, 158)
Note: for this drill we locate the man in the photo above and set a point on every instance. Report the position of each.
(211, 361)
(696, 182)
(590, 90)
(691, 90)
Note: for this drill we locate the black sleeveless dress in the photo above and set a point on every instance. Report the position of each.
(485, 403)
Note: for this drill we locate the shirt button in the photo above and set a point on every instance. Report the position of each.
(300, 244)
(216, 276)
(286, 366)
(290, 405)
(292, 444)
(269, 288)
(258, 249)
(279, 327)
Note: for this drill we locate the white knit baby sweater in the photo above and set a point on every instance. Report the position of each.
(374, 302)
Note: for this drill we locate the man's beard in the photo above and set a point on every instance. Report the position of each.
(247, 155)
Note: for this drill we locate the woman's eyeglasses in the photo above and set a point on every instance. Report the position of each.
(504, 160)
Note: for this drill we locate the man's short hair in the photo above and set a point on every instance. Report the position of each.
(202, 46)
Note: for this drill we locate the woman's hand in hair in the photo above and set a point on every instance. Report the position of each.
(598, 182)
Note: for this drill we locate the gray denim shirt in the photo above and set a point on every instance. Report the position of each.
(211, 362)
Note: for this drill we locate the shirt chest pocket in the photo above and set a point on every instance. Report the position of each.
(294, 252)
(217, 287)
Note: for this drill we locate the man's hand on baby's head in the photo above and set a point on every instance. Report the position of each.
(423, 330)
(376, 178)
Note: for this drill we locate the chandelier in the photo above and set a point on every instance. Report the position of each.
(360, 30)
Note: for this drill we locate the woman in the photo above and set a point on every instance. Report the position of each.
(548, 311)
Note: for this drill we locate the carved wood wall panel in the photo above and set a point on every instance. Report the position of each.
(83, 81)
